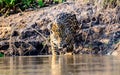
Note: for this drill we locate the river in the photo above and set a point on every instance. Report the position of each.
(60, 65)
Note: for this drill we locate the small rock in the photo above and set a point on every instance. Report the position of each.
(4, 45)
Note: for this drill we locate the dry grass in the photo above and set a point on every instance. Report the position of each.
(105, 3)
(4, 32)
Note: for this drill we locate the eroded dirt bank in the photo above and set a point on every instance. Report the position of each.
(27, 33)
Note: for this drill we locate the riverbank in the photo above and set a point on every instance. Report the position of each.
(27, 33)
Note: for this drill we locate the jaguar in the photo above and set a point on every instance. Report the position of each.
(62, 33)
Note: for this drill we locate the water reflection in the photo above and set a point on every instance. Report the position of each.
(60, 65)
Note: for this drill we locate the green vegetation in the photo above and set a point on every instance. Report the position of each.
(41, 3)
(1, 55)
(13, 6)
(59, 1)
(27, 3)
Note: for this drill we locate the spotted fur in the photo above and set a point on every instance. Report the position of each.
(63, 31)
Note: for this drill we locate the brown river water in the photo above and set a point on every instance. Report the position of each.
(60, 65)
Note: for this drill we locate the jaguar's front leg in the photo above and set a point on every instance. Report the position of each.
(53, 45)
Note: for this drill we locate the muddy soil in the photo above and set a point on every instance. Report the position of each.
(27, 33)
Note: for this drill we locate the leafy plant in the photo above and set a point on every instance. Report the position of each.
(9, 3)
(41, 3)
(1, 4)
(27, 3)
(1, 55)
(6, 6)
(59, 1)
(12, 6)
